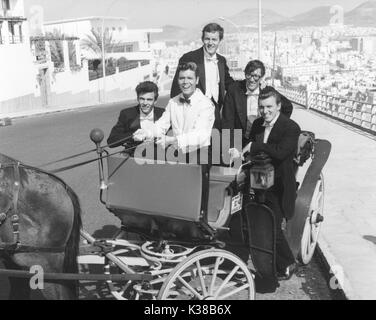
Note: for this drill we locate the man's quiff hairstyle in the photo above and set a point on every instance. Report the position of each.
(268, 92)
(213, 27)
(188, 66)
(146, 87)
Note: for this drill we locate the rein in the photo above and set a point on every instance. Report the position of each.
(10, 212)
(91, 160)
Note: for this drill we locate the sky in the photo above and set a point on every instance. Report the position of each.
(185, 13)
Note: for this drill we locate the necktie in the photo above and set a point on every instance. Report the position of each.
(184, 100)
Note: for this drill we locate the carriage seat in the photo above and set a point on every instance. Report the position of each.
(220, 195)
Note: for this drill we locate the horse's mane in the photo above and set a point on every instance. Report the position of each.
(6, 160)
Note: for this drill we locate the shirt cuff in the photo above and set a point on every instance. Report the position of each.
(247, 148)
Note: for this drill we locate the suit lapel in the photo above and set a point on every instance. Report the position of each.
(136, 124)
(201, 68)
(221, 70)
(275, 132)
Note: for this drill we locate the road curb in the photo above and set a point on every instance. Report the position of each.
(334, 271)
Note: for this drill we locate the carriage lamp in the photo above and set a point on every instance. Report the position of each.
(261, 172)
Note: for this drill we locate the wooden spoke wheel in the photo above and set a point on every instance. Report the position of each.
(313, 222)
(209, 275)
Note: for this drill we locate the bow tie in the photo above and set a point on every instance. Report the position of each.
(212, 59)
(268, 125)
(250, 94)
(184, 100)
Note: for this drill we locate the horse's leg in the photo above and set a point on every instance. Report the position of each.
(19, 288)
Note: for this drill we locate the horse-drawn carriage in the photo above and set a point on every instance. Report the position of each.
(176, 242)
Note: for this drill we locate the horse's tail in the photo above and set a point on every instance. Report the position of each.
(72, 246)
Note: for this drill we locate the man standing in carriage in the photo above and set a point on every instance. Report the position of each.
(214, 76)
(141, 116)
(240, 108)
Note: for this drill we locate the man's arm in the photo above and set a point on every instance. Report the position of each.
(120, 132)
(280, 150)
(228, 78)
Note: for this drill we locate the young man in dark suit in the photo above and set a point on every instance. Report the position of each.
(277, 136)
(214, 76)
(137, 117)
(240, 108)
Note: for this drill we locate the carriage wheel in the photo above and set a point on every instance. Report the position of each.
(209, 275)
(313, 223)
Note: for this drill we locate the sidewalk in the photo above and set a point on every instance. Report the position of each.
(348, 234)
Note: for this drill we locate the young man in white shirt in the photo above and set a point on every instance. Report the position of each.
(190, 114)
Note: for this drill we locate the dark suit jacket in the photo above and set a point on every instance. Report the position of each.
(127, 124)
(281, 148)
(197, 56)
(234, 112)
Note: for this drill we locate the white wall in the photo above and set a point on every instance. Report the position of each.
(17, 76)
(17, 8)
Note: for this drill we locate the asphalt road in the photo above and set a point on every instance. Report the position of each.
(41, 139)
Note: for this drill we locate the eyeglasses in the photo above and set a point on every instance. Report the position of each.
(253, 76)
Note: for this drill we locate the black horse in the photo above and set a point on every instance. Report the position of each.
(40, 222)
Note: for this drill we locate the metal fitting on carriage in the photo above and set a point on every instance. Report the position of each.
(3, 217)
(103, 185)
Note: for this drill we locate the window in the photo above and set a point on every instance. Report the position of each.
(129, 48)
(5, 5)
(15, 32)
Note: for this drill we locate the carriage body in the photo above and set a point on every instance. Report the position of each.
(197, 206)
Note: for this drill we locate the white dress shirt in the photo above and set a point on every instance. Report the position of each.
(211, 76)
(146, 121)
(191, 123)
(269, 127)
(252, 103)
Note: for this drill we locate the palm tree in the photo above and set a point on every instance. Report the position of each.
(55, 39)
(93, 43)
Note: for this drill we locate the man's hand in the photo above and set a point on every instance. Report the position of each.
(141, 135)
(234, 153)
(263, 84)
(166, 141)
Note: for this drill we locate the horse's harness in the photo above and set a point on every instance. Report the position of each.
(10, 211)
